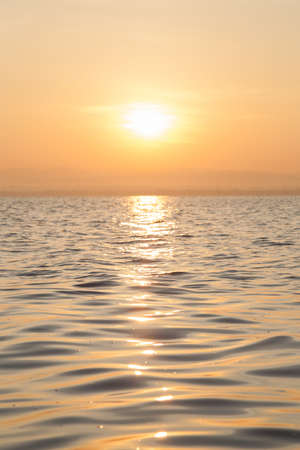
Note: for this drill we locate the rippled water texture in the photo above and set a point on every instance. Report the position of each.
(150, 322)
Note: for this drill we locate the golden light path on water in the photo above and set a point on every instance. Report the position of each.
(148, 224)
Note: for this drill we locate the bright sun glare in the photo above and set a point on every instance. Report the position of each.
(147, 120)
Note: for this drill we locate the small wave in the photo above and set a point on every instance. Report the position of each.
(120, 383)
(46, 443)
(100, 283)
(250, 438)
(288, 372)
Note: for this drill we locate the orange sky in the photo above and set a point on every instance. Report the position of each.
(228, 70)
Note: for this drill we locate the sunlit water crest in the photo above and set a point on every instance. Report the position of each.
(150, 322)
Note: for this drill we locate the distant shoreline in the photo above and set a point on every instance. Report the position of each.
(158, 192)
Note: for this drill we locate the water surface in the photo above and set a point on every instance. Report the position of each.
(150, 322)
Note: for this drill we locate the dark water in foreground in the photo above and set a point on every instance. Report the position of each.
(150, 322)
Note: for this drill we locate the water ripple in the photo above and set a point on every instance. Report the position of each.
(149, 322)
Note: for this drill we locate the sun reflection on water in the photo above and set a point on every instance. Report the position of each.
(148, 210)
(148, 228)
(140, 319)
(161, 435)
(149, 231)
(149, 352)
(149, 224)
(164, 398)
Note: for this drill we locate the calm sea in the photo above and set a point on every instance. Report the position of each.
(150, 322)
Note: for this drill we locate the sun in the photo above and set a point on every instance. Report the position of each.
(147, 120)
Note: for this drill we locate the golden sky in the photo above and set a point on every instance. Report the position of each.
(227, 73)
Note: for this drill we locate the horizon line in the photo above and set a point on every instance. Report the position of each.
(149, 192)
